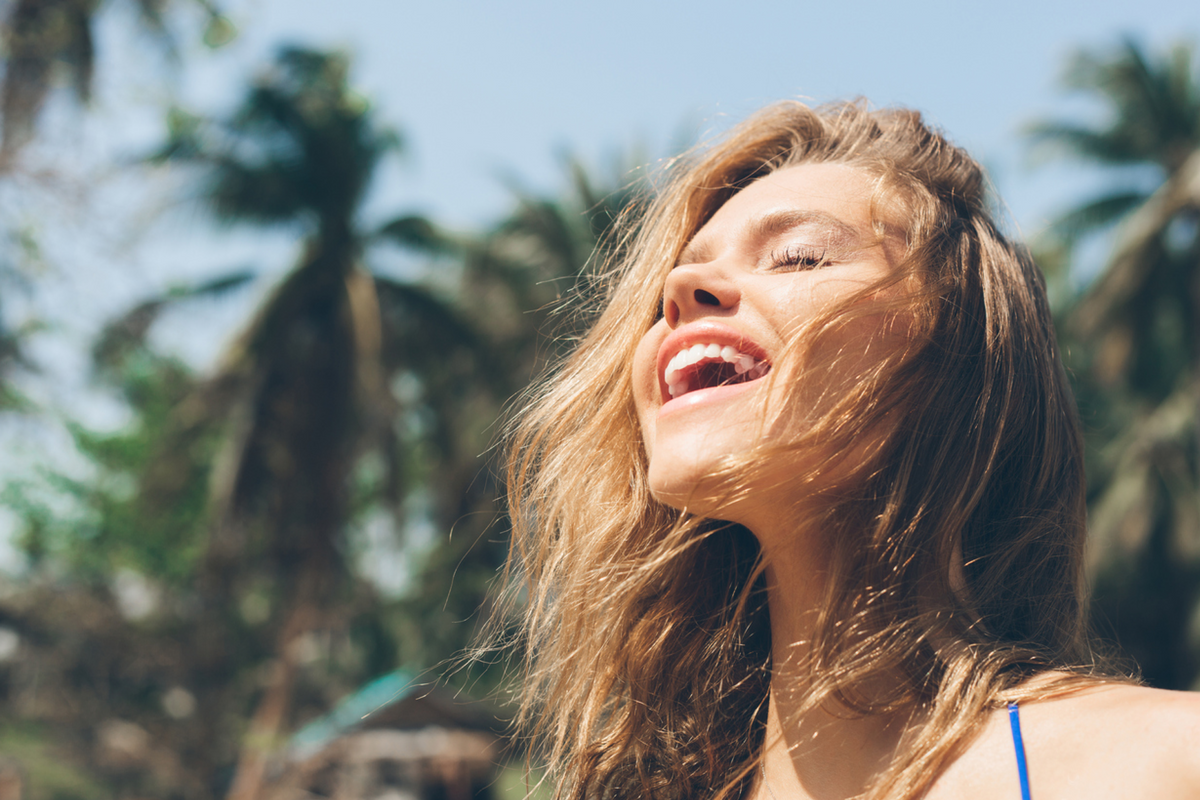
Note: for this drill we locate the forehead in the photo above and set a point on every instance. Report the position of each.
(838, 190)
(833, 191)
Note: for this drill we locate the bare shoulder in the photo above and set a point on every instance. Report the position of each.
(1109, 742)
(1114, 741)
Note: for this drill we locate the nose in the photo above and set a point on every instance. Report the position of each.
(697, 290)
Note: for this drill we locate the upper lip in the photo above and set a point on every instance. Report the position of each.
(707, 332)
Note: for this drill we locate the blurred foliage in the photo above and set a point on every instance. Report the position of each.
(1132, 339)
(25, 747)
(19, 255)
(115, 528)
(50, 41)
(221, 534)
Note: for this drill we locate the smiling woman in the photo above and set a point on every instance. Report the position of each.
(803, 515)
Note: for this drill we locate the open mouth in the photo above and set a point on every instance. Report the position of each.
(704, 366)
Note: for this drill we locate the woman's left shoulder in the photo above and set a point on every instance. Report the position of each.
(1142, 710)
(1121, 740)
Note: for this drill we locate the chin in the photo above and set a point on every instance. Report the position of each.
(698, 492)
(681, 490)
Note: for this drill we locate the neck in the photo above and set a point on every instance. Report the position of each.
(825, 752)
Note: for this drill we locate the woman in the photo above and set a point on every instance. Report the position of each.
(803, 514)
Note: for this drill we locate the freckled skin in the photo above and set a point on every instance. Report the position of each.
(772, 258)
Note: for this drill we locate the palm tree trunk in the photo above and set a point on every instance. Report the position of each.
(269, 717)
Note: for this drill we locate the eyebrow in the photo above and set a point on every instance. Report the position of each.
(773, 223)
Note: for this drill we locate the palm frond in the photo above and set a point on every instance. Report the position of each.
(423, 329)
(37, 34)
(1096, 215)
(413, 231)
(300, 146)
(128, 331)
(1130, 266)
(78, 51)
(1155, 116)
(265, 193)
(42, 38)
(1084, 143)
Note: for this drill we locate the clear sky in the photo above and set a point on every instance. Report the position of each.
(484, 90)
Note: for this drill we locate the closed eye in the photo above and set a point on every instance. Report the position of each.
(799, 257)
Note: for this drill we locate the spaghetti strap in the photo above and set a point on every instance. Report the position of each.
(1014, 720)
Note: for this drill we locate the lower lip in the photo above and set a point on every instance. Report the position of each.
(714, 394)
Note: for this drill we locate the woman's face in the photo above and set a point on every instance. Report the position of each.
(773, 257)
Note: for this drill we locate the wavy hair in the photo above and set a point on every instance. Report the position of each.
(956, 547)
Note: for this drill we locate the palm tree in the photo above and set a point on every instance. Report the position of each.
(1134, 338)
(41, 37)
(303, 399)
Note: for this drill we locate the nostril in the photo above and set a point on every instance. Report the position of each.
(670, 312)
(706, 298)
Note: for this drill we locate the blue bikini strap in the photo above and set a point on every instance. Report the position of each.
(1014, 720)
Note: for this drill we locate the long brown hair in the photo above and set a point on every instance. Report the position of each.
(956, 548)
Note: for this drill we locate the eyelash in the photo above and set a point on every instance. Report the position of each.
(799, 257)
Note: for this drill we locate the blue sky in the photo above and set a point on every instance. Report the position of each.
(487, 89)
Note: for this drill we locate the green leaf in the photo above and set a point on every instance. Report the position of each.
(415, 232)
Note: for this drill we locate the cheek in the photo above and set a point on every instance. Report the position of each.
(646, 391)
(820, 372)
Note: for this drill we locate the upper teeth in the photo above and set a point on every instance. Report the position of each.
(677, 383)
